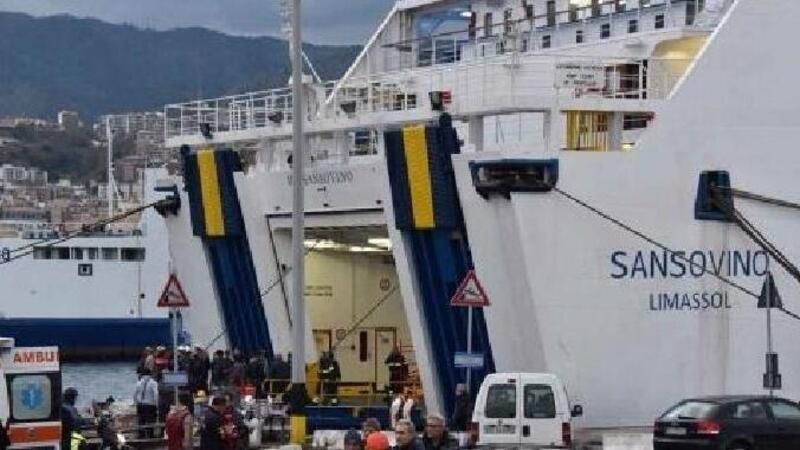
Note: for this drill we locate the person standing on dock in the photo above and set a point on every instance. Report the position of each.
(462, 412)
(146, 398)
(406, 436)
(436, 436)
(71, 420)
(280, 374)
(219, 370)
(179, 424)
(398, 370)
(212, 436)
(256, 371)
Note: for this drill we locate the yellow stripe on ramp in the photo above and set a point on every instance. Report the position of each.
(209, 188)
(419, 177)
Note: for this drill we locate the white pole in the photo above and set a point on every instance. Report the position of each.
(298, 269)
(175, 347)
(110, 184)
(469, 347)
(768, 292)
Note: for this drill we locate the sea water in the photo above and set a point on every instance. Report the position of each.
(99, 380)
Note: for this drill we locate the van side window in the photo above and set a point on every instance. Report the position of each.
(501, 401)
(540, 402)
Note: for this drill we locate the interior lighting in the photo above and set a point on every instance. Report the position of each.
(360, 249)
(321, 244)
(380, 242)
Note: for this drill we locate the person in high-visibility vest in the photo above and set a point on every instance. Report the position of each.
(77, 442)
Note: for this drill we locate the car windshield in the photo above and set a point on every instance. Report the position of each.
(690, 410)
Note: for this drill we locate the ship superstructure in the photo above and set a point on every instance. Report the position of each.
(581, 122)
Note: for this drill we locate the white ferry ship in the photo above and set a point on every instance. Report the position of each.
(596, 135)
(93, 294)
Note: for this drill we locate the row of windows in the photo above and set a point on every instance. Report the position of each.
(90, 253)
(596, 10)
(605, 31)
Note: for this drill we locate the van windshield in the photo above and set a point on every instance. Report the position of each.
(501, 401)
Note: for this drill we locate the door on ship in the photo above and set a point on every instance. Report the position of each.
(385, 340)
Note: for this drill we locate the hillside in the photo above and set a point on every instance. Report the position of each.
(61, 62)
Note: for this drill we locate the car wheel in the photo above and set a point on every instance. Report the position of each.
(738, 446)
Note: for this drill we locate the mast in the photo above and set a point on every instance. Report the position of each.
(298, 231)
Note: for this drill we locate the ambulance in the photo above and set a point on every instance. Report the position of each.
(30, 395)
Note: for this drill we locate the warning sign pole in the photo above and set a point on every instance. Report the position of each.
(174, 311)
(469, 346)
(470, 294)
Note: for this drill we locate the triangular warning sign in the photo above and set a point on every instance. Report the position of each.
(470, 293)
(173, 295)
(769, 294)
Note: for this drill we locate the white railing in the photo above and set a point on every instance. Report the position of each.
(484, 84)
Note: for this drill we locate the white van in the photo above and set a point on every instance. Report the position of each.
(523, 410)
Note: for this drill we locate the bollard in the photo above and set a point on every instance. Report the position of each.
(297, 429)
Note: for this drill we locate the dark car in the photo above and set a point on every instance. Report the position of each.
(729, 423)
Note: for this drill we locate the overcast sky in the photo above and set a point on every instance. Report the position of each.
(325, 21)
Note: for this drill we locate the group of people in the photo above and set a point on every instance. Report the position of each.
(435, 437)
(227, 368)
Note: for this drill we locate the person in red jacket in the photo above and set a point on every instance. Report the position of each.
(179, 425)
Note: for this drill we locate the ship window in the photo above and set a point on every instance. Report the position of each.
(579, 37)
(572, 13)
(110, 254)
(528, 11)
(501, 401)
(525, 45)
(691, 11)
(41, 253)
(546, 41)
(507, 27)
(605, 30)
(551, 13)
(487, 24)
(132, 254)
(659, 21)
(633, 26)
(91, 253)
(77, 253)
(61, 252)
(620, 5)
(597, 8)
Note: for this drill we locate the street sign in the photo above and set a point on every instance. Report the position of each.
(769, 294)
(173, 295)
(468, 360)
(470, 293)
(175, 379)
